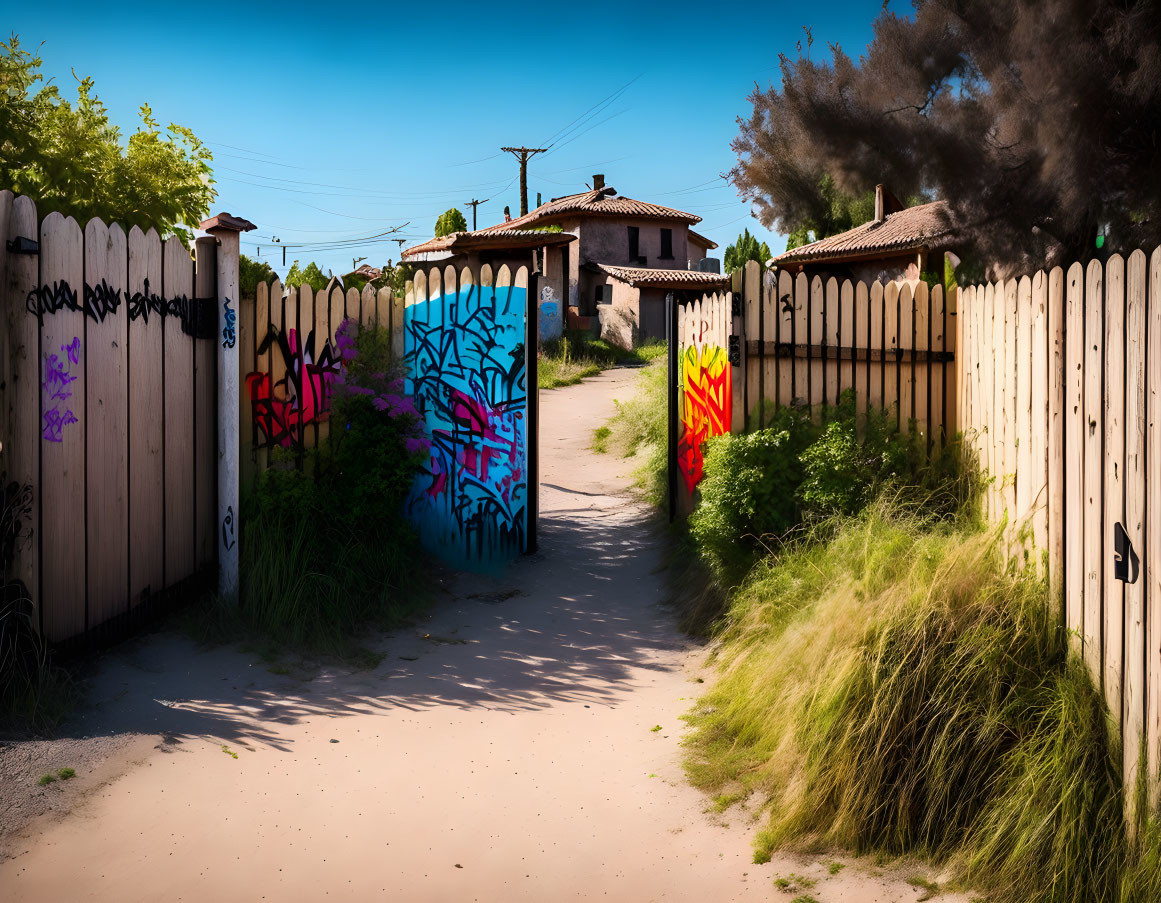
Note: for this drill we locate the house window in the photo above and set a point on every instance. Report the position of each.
(634, 244)
(666, 244)
(599, 294)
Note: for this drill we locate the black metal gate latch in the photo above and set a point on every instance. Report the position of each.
(1126, 564)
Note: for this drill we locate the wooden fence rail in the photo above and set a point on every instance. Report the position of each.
(807, 341)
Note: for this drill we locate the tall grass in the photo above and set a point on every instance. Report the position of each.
(894, 688)
(639, 431)
(577, 355)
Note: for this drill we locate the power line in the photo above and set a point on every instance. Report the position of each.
(523, 154)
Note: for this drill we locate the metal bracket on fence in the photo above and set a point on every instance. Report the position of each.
(734, 354)
(736, 304)
(1126, 564)
(22, 245)
(205, 318)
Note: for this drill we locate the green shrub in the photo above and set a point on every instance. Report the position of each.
(325, 547)
(842, 471)
(750, 491)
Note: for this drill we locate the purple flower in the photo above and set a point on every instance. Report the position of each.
(360, 390)
(415, 446)
(379, 404)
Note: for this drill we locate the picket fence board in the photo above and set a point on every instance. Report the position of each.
(1036, 495)
(106, 424)
(1075, 459)
(1133, 614)
(905, 372)
(20, 386)
(861, 338)
(177, 278)
(1151, 553)
(205, 416)
(780, 285)
(62, 447)
(1057, 417)
(1114, 484)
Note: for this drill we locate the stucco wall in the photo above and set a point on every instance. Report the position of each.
(619, 317)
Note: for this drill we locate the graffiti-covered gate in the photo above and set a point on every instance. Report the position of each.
(470, 350)
(700, 388)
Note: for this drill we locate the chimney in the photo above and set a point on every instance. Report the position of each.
(879, 214)
(598, 182)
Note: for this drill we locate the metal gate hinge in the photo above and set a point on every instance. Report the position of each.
(1126, 564)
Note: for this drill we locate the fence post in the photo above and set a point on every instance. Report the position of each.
(226, 229)
(532, 408)
(674, 376)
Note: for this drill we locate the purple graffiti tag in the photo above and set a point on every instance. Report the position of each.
(57, 390)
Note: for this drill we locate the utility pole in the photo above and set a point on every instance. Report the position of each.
(524, 154)
(473, 203)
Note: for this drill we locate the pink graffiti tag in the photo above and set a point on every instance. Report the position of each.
(57, 390)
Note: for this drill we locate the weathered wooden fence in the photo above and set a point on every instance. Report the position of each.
(1061, 375)
(108, 400)
(289, 361)
(806, 341)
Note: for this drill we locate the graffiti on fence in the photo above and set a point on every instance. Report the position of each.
(549, 325)
(303, 396)
(57, 385)
(229, 331)
(465, 368)
(100, 301)
(229, 537)
(705, 408)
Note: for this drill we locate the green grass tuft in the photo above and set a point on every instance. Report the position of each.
(639, 431)
(46, 779)
(892, 688)
(66, 773)
(578, 355)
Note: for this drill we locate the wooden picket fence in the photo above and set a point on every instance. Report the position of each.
(1060, 380)
(289, 360)
(808, 341)
(108, 400)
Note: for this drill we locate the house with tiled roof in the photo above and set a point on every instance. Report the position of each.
(614, 259)
(900, 243)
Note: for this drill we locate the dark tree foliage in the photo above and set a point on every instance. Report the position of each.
(1035, 120)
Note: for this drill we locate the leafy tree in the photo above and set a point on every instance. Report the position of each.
(309, 275)
(69, 158)
(450, 221)
(837, 213)
(1035, 120)
(745, 248)
(250, 273)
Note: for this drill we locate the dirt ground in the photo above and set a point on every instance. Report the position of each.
(505, 749)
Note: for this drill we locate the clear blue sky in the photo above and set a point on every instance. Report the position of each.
(343, 120)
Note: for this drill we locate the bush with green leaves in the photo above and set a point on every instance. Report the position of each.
(325, 547)
(750, 490)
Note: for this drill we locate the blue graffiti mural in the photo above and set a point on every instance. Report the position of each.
(466, 373)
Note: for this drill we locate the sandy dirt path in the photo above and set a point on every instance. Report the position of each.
(508, 755)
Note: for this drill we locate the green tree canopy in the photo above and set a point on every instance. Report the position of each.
(450, 221)
(69, 158)
(250, 273)
(745, 248)
(309, 275)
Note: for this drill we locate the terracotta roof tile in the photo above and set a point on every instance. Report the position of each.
(487, 239)
(655, 278)
(903, 230)
(600, 202)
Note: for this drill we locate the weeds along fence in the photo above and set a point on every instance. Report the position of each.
(806, 341)
(289, 361)
(108, 398)
(1061, 375)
